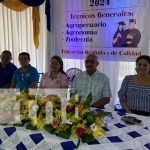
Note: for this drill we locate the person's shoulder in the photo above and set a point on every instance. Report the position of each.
(17, 71)
(80, 74)
(101, 75)
(129, 77)
(11, 65)
(32, 68)
(63, 75)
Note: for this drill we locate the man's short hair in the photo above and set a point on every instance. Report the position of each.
(93, 55)
(132, 20)
(25, 53)
(7, 52)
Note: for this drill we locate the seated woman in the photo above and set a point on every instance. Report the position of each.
(56, 77)
(25, 77)
(134, 94)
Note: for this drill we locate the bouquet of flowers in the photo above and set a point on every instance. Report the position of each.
(73, 119)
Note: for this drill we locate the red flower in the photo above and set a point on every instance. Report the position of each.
(54, 124)
(69, 108)
(80, 131)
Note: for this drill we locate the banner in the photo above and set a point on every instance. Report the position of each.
(111, 29)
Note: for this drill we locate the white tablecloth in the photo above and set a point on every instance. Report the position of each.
(119, 136)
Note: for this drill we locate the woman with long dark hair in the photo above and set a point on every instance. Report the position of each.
(134, 94)
(56, 77)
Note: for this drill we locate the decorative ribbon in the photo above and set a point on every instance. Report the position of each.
(15, 5)
(20, 5)
(36, 28)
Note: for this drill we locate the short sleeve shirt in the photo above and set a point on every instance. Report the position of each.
(24, 80)
(137, 97)
(97, 84)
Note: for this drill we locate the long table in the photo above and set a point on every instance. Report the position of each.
(118, 136)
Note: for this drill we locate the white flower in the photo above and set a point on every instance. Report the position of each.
(93, 127)
(69, 122)
(76, 112)
(17, 119)
(35, 108)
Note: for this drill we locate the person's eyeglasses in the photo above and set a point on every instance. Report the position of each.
(90, 61)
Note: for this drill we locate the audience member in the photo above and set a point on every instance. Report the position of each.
(92, 81)
(26, 76)
(134, 94)
(6, 69)
(56, 77)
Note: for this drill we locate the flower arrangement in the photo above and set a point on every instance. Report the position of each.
(75, 119)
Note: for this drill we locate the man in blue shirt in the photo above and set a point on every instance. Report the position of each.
(25, 77)
(92, 81)
(6, 69)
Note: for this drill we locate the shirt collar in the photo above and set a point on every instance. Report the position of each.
(94, 74)
(27, 69)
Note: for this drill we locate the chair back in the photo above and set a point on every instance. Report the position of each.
(72, 72)
(40, 76)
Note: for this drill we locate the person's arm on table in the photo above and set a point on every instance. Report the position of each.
(125, 106)
(100, 103)
(122, 94)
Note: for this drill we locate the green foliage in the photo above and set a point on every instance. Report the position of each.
(88, 100)
(87, 138)
(18, 124)
(102, 114)
(31, 127)
(49, 129)
(65, 134)
(89, 118)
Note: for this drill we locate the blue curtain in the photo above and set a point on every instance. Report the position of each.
(48, 15)
(32, 3)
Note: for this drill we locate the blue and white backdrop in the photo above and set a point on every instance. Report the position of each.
(89, 26)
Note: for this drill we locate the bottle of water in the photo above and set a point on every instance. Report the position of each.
(107, 120)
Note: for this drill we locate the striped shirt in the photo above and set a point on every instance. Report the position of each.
(97, 84)
(137, 97)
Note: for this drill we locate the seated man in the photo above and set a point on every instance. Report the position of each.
(6, 69)
(25, 77)
(92, 81)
